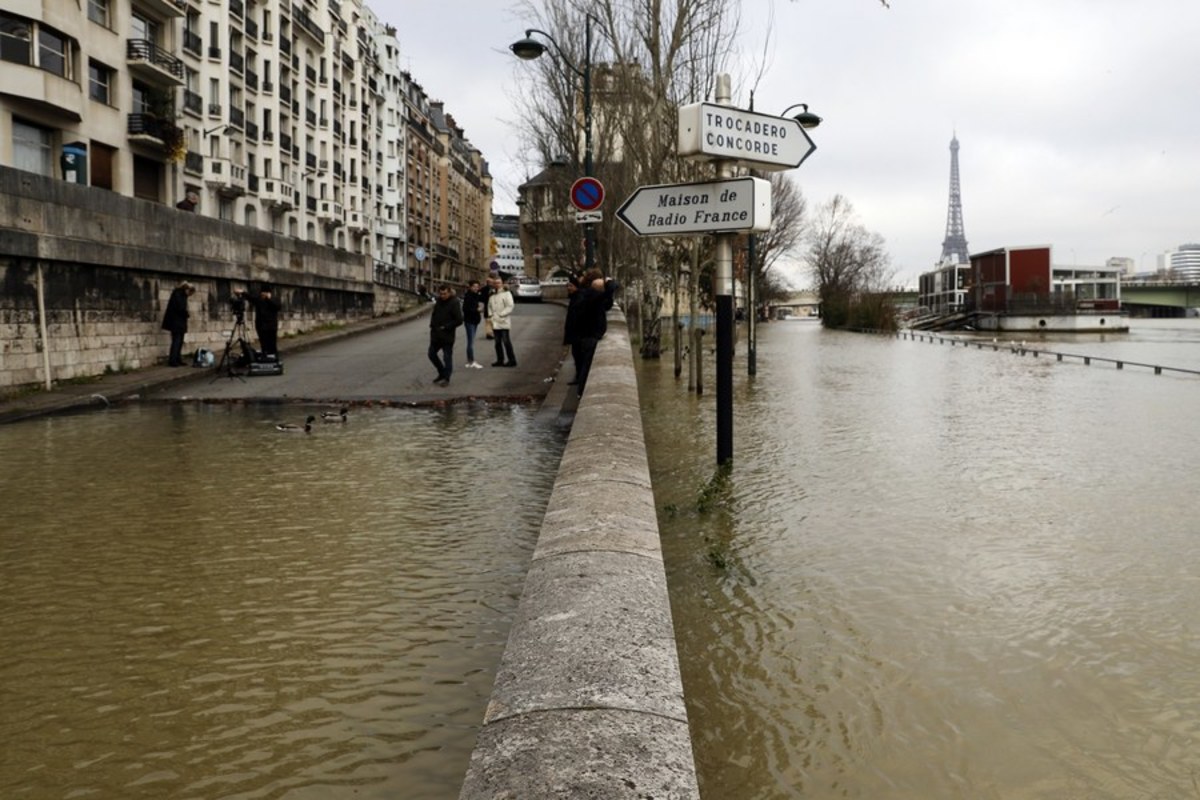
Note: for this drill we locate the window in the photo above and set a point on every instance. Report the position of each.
(15, 35)
(99, 82)
(52, 52)
(33, 148)
(98, 12)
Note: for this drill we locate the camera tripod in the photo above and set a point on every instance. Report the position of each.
(225, 367)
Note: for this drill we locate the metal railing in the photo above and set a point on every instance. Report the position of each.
(145, 50)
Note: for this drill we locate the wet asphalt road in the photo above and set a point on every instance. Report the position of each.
(390, 366)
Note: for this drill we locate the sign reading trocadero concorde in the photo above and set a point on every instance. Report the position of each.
(757, 141)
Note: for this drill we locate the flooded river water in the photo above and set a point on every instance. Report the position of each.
(938, 572)
(195, 605)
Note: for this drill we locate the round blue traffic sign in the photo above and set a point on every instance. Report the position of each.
(587, 194)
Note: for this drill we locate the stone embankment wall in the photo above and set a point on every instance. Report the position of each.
(108, 264)
(588, 700)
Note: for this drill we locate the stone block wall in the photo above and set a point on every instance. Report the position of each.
(108, 264)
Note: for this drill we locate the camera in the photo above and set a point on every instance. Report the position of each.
(238, 303)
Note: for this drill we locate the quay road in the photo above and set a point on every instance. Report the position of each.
(380, 361)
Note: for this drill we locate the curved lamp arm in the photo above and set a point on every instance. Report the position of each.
(530, 48)
(806, 118)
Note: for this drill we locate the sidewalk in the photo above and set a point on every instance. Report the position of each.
(104, 390)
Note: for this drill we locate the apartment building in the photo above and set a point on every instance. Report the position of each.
(291, 117)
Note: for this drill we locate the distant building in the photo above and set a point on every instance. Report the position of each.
(1185, 263)
(506, 245)
(1127, 266)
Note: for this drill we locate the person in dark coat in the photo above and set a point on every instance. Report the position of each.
(175, 320)
(266, 319)
(571, 325)
(472, 308)
(596, 295)
(447, 315)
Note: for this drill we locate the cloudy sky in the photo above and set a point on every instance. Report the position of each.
(1078, 120)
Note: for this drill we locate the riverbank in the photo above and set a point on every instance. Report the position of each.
(104, 390)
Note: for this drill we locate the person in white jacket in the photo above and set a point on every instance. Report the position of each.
(500, 307)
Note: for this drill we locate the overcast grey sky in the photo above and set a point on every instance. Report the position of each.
(1078, 120)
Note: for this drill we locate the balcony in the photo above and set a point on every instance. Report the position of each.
(237, 61)
(285, 45)
(252, 131)
(252, 29)
(307, 25)
(285, 94)
(252, 80)
(193, 163)
(237, 8)
(153, 64)
(268, 87)
(227, 178)
(358, 222)
(193, 43)
(391, 229)
(165, 9)
(237, 117)
(278, 194)
(331, 212)
(285, 144)
(193, 103)
(149, 129)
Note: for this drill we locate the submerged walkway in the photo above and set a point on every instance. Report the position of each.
(381, 361)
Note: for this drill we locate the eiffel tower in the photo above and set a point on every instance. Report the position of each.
(954, 246)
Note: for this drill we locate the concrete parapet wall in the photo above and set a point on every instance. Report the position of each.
(108, 264)
(588, 700)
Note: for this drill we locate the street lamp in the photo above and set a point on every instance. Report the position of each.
(528, 49)
(805, 117)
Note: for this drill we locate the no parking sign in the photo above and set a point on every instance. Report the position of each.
(587, 194)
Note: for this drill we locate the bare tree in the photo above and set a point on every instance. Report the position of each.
(648, 58)
(789, 226)
(848, 263)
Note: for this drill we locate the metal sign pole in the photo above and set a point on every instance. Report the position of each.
(724, 298)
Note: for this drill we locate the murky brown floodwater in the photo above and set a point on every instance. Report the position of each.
(194, 605)
(938, 572)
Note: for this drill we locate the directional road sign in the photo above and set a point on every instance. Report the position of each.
(587, 194)
(726, 206)
(710, 131)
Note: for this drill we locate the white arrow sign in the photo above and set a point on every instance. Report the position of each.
(758, 141)
(728, 206)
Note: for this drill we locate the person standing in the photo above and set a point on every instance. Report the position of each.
(266, 320)
(175, 320)
(472, 307)
(446, 316)
(571, 325)
(500, 308)
(595, 299)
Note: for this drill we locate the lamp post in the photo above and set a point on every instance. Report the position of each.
(807, 120)
(529, 49)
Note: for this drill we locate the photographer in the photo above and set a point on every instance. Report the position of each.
(266, 318)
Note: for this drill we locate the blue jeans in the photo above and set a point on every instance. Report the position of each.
(445, 364)
(470, 328)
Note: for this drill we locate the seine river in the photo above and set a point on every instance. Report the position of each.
(938, 572)
(195, 605)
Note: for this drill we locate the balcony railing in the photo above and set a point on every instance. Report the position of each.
(285, 143)
(307, 24)
(252, 131)
(237, 61)
(193, 43)
(193, 102)
(149, 126)
(237, 8)
(193, 162)
(285, 94)
(252, 29)
(252, 79)
(237, 117)
(143, 51)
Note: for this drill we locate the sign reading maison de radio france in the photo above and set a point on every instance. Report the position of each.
(736, 205)
(758, 141)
